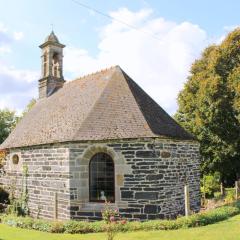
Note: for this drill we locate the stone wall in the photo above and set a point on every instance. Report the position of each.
(149, 177)
(48, 173)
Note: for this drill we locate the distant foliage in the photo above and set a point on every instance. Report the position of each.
(209, 106)
(210, 184)
(230, 195)
(8, 120)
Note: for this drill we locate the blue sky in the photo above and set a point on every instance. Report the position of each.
(184, 29)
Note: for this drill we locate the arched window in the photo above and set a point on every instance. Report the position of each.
(55, 64)
(55, 58)
(101, 178)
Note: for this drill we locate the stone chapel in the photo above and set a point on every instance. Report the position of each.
(100, 138)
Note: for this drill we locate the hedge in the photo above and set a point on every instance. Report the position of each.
(195, 220)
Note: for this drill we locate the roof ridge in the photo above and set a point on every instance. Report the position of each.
(94, 73)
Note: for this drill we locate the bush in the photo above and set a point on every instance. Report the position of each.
(210, 184)
(57, 227)
(78, 227)
(229, 195)
(4, 196)
(4, 199)
(42, 225)
(218, 196)
(195, 220)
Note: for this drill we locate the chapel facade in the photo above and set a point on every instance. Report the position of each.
(100, 138)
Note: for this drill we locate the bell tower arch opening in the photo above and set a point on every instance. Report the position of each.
(52, 60)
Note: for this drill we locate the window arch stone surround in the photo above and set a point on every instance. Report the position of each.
(121, 168)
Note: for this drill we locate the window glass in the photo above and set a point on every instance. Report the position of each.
(15, 159)
(101, 178)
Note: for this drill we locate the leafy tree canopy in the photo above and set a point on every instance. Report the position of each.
(9, 119)
(209, 106)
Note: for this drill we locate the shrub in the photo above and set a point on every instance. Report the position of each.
(229, 195)
(218, 196)
(111, 218)
(78, 227)
(195, 220)
(4, 199)
(109, 214)
(22, 222)
(42, 225)
(210, 184)
(57, 227)
(83, 227)
(4, 196)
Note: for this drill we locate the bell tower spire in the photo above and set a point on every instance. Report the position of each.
(52, 66)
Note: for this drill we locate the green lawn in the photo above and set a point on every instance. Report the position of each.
(226, 230)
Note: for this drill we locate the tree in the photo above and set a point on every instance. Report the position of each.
(209, 106)
(8, 120)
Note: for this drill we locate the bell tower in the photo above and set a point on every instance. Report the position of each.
(52, 66)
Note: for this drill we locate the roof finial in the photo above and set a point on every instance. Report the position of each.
(52, 26)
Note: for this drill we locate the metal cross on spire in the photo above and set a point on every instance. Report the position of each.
(52, 26)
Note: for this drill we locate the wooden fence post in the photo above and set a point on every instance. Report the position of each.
(187, 202)
(236, 190)
(55, 206)
(222, 189)
(204, 192)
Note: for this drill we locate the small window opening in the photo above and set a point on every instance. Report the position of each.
(101, 178)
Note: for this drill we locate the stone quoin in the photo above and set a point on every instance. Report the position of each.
(99, 138)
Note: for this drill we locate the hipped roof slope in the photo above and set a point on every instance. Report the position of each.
(100, 106)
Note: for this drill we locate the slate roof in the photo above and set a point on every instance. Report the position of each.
(52, 38)
(100, 106)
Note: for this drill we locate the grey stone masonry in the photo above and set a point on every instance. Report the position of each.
(48, 173)
(149, 177)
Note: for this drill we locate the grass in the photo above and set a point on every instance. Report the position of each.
(225, 230)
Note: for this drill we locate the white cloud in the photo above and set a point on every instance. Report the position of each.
(3, 27)
(17, 87)
(18, 35)
(160, 66)
(5, 49)
(7, 37)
